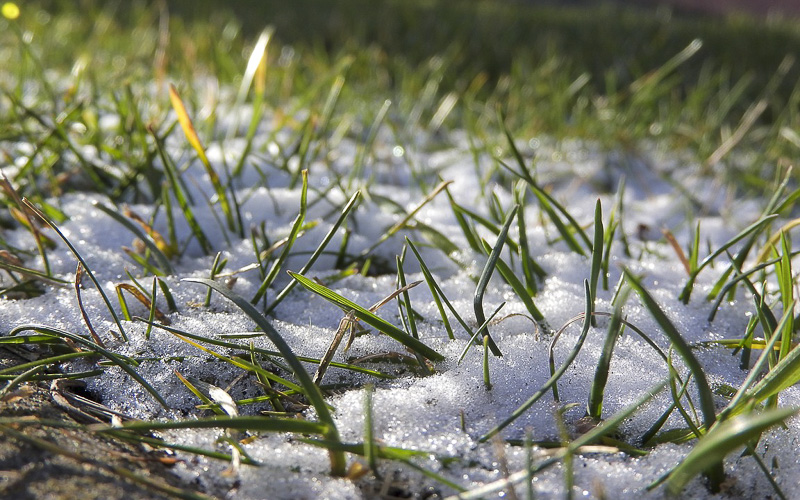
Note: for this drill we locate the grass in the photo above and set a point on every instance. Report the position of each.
(321, 79)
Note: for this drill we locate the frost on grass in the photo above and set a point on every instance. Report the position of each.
(445, 413)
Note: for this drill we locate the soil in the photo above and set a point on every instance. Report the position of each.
(39, 462)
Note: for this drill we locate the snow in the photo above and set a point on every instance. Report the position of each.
(445, 413)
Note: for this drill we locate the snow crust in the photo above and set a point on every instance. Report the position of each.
(411, 411)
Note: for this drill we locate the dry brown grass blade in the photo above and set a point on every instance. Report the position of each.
(160, 316)
(347, 323)
(678, 250)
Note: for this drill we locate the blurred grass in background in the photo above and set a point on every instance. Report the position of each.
(607, 72)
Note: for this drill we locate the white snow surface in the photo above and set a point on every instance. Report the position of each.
(445, 413)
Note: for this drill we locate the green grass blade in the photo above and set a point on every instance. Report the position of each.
(264, 352)
(436, 293)
(310, 389)
(685, 351)
(597, 256)
(716, 474)
(483, 282)
(180, 196)
(194, 140)
(519, 289)
(751, 230)
(371, 319)
(722, 440)
(121, 361)
(296, 227)
(317, 252)
(773, 382)
(595, 405)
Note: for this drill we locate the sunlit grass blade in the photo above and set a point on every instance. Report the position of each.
(751, 230)
(121, 361)
(175, 189)
(722, 440)
(783, 272)
(194, 140)
(317, 252)
(436, 293)
(402, 223)
(293, 233)
(486, 275)
(526, 174)
(366, 316)
(82, 262)
(715, 474)
(311, 391)
(405, 310)
(519, 289)
(783, 375)
(778, 378)
(552, 208)
(597, 256)
(148, 302)
(597, 391)
(197, 392)
(264, 352)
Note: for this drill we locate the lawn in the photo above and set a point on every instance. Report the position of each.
(419, 249)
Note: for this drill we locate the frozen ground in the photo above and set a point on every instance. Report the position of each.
(444, 413)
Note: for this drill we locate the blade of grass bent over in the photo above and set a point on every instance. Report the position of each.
(122, 362)
(553, 378)
(366, 316)
(311, 391)
(77, 255)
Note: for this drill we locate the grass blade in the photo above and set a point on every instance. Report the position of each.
(366, 316)
(716, 474)
(595, 405)
(317, 252)
(194, 140)
(180, 196)
(753, 229)
(722, 440)
(296, 227)
(483, 282)
(120, 361)
(312, 392)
